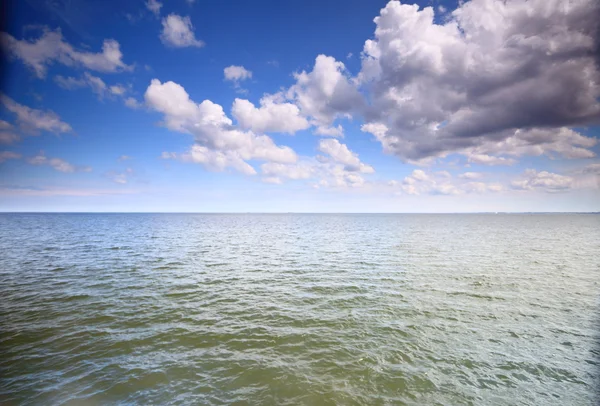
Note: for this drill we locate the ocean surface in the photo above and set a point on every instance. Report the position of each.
(299, 309)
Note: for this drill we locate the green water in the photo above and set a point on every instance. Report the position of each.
(298, 309)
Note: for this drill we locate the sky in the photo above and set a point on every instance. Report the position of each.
(312, 106)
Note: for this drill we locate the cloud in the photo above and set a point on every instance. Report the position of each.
(420, 182)
(154, 6)
(553, 142)
(269, 117)
(6, 155)
(51, 48)
(236, 74)
(341, 168)
(7, 134)
(326, 93)
(340, 153)
(330, 131)
(121, 177)
(118, 90)
(218, 143)
(87, 80)
(493, 73)
(124, 158)
(326, 174)
(99, 87)
(178, 32)
(132, 103)
(544, 181)
(58, 164)
(470, 175)
(32, 120)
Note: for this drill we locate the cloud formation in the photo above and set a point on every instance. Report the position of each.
(236, 74)
(154, 6)
(218, 143)
(32, 120)
(495, 72)
(178, 32)
(271, 116)
(51, 48)
(545, 181)
(325, 94)
(58, 164)
(340, 169)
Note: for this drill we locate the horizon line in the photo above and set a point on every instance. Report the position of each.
(292, 212)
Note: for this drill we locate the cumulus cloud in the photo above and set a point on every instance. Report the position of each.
(178, 32)
(51, 48)
(236, 74)
(33, 120)
(218, 143)
(544, 181)
(325, 93)
(271, 116)
(514, 74)
(58, 164)
(340, 153)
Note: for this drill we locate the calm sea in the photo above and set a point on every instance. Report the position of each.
(296, 309)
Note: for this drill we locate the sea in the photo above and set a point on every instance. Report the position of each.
(299, 309)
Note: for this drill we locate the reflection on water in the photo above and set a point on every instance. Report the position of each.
(298, 309)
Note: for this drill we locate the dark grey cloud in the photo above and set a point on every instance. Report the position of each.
(493, 68)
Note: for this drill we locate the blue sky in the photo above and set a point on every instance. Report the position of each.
(271, 106)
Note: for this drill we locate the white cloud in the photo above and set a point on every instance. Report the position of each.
(269, 117)
(154, 6)
(178, 32)
(58, 164)
(491, 69)
(470, 175)
(330, 131)
(340, 169)
(132, 103)
(118, 90)
(51, 48)
(327, 174)
(325, 93)
(33, 120)
(6, 155)
(219, 144)
(545, 181)
(236, 74)
(341, 154)
(420, 182)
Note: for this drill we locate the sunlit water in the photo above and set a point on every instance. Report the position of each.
(298, 309)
